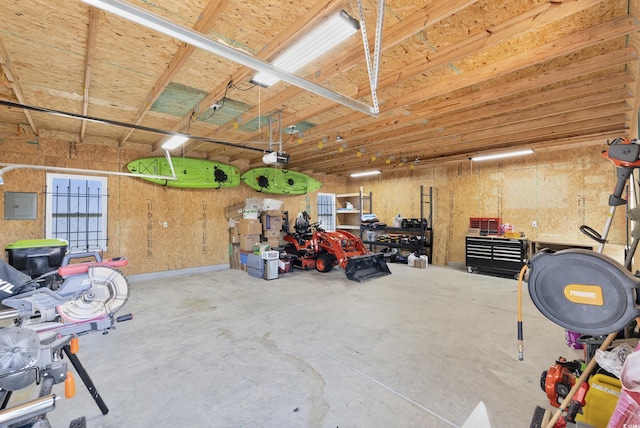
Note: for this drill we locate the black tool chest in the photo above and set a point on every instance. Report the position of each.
(495, 254)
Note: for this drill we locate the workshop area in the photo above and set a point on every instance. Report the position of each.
(223, 213)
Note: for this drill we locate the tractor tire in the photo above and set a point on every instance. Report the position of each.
(324, 263)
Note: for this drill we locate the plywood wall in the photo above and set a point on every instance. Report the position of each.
(196, 232)
(560, 190)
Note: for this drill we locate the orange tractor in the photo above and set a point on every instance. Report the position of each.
(314, 247)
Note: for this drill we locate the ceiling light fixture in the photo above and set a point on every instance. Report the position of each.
(365, 173)
(199, 40)
(318, 41)
(502, 155)
(174, 142)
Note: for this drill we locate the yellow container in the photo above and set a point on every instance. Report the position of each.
(601, 400)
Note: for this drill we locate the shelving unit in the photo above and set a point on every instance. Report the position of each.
(350, 207)
(415, 239)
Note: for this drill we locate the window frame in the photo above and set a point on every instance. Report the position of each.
(101, 242)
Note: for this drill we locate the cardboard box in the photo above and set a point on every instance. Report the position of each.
(234, 211)
(274, 242)
(234, 256)
(248, 241)
(271, 234)
(273, 213)
(249, 213)
(248, 227)
(234, 236)
(421, 262)
(271, 221)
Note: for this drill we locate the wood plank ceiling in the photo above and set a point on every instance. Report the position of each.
(456, 78)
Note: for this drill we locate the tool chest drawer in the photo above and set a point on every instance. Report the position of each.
(494, 254)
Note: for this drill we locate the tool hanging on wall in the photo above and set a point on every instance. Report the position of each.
(588, 291)
(625, 155)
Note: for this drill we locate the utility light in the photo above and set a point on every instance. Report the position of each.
(502, 155)
(365, 173)
(320, 40)
(199, 40)
(174, 142)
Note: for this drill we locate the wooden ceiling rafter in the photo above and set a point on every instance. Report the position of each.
(417, 146)
(567, 72)
(543, 53)
(92, 40)
(10, 74)
(603, 127)
(318, 11)
(588, 140)
(531, 21)
(481, 110)
(456, 78)
(414, 145)
(504, 67)
(203, 24)
(396, 34)
(607, 103)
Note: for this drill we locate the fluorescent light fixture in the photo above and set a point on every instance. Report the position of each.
(194, 38)
(318, 41)
(174, 142)
(365, 173)
(503, 155)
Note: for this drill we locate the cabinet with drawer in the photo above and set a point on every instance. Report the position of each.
(494, 254)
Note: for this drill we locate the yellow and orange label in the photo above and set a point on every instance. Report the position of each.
(584, 294)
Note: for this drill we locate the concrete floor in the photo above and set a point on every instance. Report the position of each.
(418, 348)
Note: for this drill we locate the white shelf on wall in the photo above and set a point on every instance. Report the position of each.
(350, 218)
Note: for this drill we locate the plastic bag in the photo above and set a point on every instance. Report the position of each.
(612, 361)
(627, 411)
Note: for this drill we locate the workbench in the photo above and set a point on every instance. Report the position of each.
(615, 251)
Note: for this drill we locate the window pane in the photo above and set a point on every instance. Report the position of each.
(326, 211)
(77, 210)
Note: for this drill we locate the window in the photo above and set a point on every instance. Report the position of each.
(326, 211)
(76, 211)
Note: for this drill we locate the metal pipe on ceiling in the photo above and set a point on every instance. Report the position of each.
(125, 125)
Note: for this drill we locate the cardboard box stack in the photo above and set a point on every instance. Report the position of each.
(272, 228)
(248, 230)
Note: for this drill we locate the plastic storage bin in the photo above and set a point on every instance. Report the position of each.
(255, 266)
(36, 257)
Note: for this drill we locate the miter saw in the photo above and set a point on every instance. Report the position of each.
(44, 317)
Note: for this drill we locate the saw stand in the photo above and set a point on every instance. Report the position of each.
(34, 413)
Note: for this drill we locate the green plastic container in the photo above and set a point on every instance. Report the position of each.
(36, 257)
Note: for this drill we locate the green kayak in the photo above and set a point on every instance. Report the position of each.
(192, 173)
(280, 181)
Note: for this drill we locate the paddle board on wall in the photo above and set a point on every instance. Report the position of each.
(279, 181)
(192, 173)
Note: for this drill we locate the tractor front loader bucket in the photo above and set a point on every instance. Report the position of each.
(364, 268)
